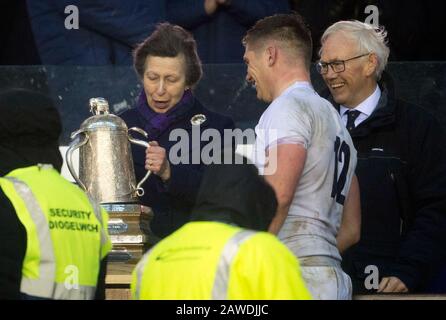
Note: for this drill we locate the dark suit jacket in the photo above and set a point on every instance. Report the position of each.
(402, 178)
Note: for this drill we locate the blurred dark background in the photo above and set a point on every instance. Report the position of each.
(416, 36)
(417, 29)
(17, 45)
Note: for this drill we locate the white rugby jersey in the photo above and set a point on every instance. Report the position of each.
(300, 116)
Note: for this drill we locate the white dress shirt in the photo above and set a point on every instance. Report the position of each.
(366, 108)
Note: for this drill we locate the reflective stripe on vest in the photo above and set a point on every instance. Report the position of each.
(97, 211)
(46, 287)
(140, 267)
(221, 282)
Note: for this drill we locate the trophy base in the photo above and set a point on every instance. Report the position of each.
(131, 237)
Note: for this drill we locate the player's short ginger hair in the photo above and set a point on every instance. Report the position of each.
(289, 29)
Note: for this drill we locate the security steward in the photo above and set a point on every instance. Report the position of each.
(53, 239)
(222, 253)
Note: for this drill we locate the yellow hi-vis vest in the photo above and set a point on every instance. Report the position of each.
(212, 260)
(66, 235)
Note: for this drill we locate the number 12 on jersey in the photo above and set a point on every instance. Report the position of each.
(342, 162)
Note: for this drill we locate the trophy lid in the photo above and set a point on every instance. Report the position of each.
(99, 106)
(102, 119)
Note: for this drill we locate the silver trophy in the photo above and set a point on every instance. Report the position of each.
(106, 173)
(106, 170)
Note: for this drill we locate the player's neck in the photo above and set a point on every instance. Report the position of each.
(287, 78)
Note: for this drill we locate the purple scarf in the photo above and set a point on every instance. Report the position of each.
(157, 123)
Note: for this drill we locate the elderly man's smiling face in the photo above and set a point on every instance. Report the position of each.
(353, 85)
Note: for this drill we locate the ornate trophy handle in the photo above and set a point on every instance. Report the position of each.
(75, 144)
(139, 189)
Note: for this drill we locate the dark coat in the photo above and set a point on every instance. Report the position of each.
(108, 30)
(172, 202)
(402, 177)
(219, 37)
(13, 246)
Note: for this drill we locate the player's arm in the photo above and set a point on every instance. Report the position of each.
(350, 230)
(283, 171)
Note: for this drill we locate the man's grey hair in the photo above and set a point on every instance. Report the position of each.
(369, 39)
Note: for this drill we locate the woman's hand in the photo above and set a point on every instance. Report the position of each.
(156, 161)
(210, 6)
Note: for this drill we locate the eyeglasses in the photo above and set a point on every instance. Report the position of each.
(337, 66)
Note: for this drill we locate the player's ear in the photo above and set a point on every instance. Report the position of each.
(271, 55)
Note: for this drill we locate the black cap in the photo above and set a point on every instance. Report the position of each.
(28, 118)
(30, 127)
(236, 194)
